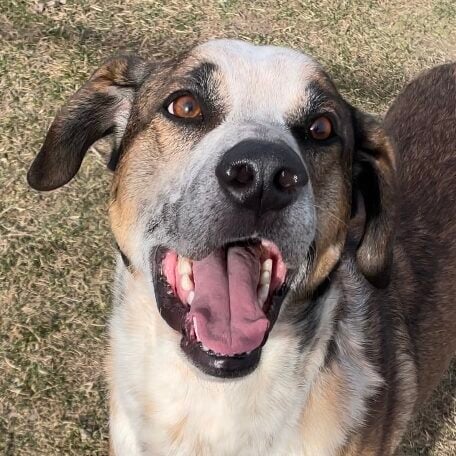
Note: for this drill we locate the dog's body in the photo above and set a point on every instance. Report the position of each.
(349, 360)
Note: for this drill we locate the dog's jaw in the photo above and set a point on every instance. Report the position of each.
(224, 322)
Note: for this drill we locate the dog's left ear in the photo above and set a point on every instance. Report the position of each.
(100, 107)
(374, 176)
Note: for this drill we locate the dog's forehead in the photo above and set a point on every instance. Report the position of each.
(261, 76)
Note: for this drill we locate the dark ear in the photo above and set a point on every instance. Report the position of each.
(374, 169)
(101, 107)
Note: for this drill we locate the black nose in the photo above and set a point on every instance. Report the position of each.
(261, 175)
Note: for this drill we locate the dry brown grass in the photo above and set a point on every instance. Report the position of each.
(56, 253)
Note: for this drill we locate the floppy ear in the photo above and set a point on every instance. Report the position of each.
(374, 170)
(101, 107)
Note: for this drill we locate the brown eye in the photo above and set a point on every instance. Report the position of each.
(321, 128)
(186, 107)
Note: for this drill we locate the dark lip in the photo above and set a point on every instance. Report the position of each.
(174, 312)
(220, 366)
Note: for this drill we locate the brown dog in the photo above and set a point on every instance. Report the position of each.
(286, 280)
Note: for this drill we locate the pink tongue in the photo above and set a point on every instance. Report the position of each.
(225, 311)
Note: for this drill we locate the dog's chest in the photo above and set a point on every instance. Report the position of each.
(190, 416)
(264, 418)
(167, 407)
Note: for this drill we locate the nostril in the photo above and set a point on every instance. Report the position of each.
(241, 174)
(288, 180)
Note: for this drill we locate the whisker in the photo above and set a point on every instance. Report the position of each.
(327, 211)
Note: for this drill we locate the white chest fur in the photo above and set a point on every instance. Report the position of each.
(162, 405)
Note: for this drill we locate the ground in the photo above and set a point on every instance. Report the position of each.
(56, 253)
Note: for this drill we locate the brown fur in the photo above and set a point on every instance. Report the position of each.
(421, 123)
(329, 402)
(416, 313)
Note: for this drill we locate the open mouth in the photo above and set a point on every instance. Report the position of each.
(224, 305)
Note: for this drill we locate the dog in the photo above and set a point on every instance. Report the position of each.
(286, 276)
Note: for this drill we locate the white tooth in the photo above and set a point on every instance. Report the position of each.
(267, 265)
(195, 327)
(184, 266)
(186, 282)
(206, 349)
(263, 292)
(190, 297)
(265, 278)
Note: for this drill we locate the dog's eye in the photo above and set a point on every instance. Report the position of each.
(185, 107)
(321, 128)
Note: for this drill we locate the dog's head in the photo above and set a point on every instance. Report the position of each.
(234, 170)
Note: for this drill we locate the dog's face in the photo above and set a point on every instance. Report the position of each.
(234, 172)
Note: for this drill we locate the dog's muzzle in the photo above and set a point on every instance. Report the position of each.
(226, 303)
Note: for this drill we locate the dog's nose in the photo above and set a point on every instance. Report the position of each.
(261, 175)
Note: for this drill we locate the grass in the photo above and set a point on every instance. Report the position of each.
(56, 257)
